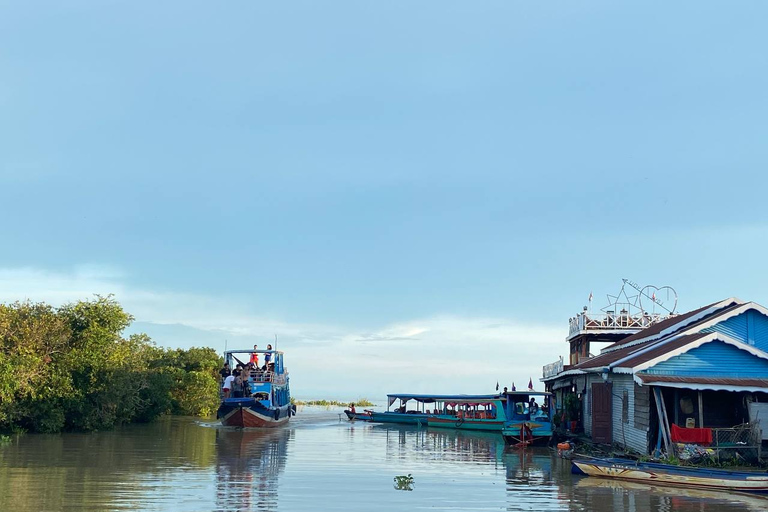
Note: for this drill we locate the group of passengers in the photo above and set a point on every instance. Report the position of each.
(237, 383)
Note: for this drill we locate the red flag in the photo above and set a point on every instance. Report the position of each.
(530, 384)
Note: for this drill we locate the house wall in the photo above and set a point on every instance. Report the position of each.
(750, 327)
(715, 359)
(636, 438)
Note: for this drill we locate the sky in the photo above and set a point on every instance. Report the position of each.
(414, 196)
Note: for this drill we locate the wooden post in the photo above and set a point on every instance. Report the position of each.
(701, 411)
(661, 410)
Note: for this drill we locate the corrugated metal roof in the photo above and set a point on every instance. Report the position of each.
(660, 349)
(719, 381)
(669, 323)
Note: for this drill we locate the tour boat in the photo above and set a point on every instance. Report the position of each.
(666, 474)
(267, 401)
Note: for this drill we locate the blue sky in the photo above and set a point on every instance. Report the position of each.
(438, 182)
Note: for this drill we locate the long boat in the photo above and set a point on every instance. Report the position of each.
(506, 413)
(666, 474)
(268, 400)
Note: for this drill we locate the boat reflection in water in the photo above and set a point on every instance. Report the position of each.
(605, 494)
(248, 464)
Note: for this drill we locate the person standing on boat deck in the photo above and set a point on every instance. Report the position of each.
(255, 356)
(225, 372)
(532, 405)
(268, 356)
(228, 383)
(237, 371)
(237, 388)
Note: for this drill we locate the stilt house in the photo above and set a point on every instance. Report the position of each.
(704, 369)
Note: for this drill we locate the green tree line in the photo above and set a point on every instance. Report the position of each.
(71, 369)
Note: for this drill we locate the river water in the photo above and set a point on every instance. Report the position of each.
(316, 463)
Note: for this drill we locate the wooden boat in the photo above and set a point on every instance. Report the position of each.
(446, 407)
(269, 401)
(527, 425)
(666, 474)
(359, 416)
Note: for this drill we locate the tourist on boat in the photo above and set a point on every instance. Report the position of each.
(228, 383)
(505, 390)
(255, 356)
(352, 408)
(246, 387)
(532, 405)
(225, 372)
(238, 370)
(237, 389)
(268, 356)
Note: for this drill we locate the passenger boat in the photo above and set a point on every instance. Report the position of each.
(666, 474)
(268, 403)
(528, 425)
(470, 412)
(448, 406)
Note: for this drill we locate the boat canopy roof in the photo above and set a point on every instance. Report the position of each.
(442, 398)
(251, 351)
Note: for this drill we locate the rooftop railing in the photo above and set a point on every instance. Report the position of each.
(623, 321)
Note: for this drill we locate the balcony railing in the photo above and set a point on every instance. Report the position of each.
(552, 369)
(622, 321)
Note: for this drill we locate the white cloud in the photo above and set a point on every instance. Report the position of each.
(445, 354)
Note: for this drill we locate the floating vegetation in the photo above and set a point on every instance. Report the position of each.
(5, 440)
(360, 402)
(404, 482)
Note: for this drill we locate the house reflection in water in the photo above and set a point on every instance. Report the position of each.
(248, 464)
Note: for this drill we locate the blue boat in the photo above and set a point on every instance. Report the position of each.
(666, 474)
(267, 400)
(525, 424)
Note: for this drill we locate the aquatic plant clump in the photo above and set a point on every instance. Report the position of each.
(360, 402)
(404, 482)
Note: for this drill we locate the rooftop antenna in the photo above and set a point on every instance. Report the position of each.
(275, 342)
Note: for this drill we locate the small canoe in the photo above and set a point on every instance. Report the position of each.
(358, 416)
(666, 474)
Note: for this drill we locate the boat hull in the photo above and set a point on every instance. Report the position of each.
(536, 433)
(466, 424)
(664, 474)
(396, 417)
(358, 416)
(253, 415)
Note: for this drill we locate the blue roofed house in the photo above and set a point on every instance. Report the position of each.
(705, 368)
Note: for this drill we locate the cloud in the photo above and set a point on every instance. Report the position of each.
(436, 354)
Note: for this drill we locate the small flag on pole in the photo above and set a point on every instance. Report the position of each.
(513, 387)
(497, 385)
(653, 297)
(590, 296)
(530, 384)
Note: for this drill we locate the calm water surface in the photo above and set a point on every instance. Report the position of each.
(317, 463)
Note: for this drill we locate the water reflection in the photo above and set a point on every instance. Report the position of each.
(604, 494)
(248, 464)
(317, 463)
